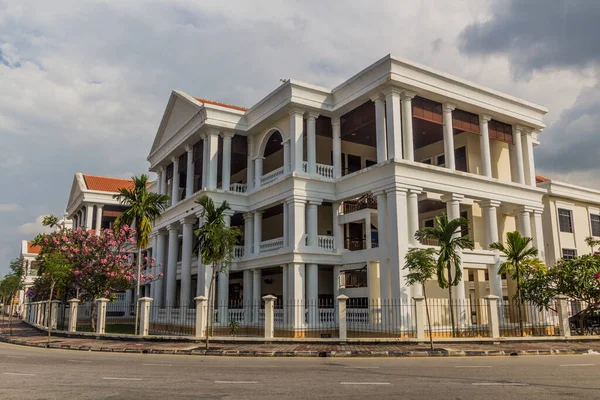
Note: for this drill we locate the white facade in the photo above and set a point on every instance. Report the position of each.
(328, 186)
(28, 256)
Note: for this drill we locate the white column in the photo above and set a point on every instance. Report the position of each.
(296, 216)
(189, 174)
(248, 234)
(524, 221)
(398, 241)
(538, 233)
(286, 156)
(226, 170)
(407, 128)
(204, 272)
(413, 216)
(175, 180)
(247, 295)
(186, 261)
(368, 236)
(518, 154)
(338, 237)
(312, 221)
(528, 161)
(393, 122)
(98, 228)
(382, 224)
(162, 181)
(172, 265)
(484, 145)
(89, 216)
(285, 290)
(379, 101)
(452, 201)
(312, 292)
(213, 156)
(249, 166)
(311, 142)
(223, 297)
(256, 290)
(286, 225)
(336, 147)
(447, 109)
(257, 231)
(490, 218)
(258, 170)
(297, 275)
(296, 122)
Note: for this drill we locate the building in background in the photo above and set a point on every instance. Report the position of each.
(28, 256)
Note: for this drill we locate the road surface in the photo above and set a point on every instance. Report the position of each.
(33, 373)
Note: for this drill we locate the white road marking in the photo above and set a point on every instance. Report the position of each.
(237, 382)
(17, 373)
(577, 365)
(472, 366)
(364, 383)
(80, 361)
(161, 365)
(108, 378)
(15, 357)
(499, 384)
(361, 367)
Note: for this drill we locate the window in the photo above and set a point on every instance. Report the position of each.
(565, 221)
(595, 223)
(369, 163)
(354, 279)
(569, 254)
(429, 223)
(440, 160)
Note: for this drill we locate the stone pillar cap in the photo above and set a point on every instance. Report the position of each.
(102, 300)
(146, 299)
(491, 297)
(269, 297)
(74, 301)
(419, 298)
(342, 297)
(200, 298)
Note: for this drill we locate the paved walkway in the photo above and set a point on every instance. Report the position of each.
(23, 334)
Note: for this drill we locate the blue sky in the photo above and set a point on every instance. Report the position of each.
(84, 83)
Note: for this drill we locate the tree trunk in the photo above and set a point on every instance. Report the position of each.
(49, 312)
(93, 315)
(428, 318)
(137, 292)
(450, 298)
(10, 315)
(210, 309)
(519, 301)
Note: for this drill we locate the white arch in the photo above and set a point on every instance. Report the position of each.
(265, 140)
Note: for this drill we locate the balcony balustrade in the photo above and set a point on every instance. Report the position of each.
(326, 242)
(238, 187)
(271, 176)
(271, 245)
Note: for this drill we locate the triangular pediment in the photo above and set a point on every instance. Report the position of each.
(77, 188)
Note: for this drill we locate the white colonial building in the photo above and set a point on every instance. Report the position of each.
(328, 186)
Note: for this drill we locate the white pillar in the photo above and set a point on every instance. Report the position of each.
(249, 166)
(128, 301)
(407, 128)
(247, 295)
(285, 297)
(393, 123)
(186, 261)
(413, 216)
(286, 157)
(311, 142)
(257, 231)
(144, 328)
(223, 297)
(256, 291)
(189, 174)
(297, 293)
(204, 272)
(297, 216)
(172, 265)
(528, 161)
(379, 101)
(226, 170)
(447, 109)
(342, 325)
(205, 161)
(296, 126)
(336, 147)
(175, 181)
(248, 234)
(159, 262)
(98, 228)
(489, 209)
(213, 156)
(524, 221)
(258, 171)
(382, 224)
(312, 221)
(368, 233)
(162, 180)
(538, 233)
(493, 320)
(286, 225)
(484, 146)
(453, 212)
(89, 216)
(200, 315)
(312, 292)
(73, 307)
(101, 315)
(338, 237)
(397, 242)
(518, 154)
(269, 316)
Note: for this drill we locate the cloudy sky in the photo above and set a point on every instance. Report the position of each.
(83, 84)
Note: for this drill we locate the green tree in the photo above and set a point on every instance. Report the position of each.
(451, 242)
(215, 242)
(590, 241)
(144, 209)
(57, 269)
(421, 265)
(10, 286)
(521, 259)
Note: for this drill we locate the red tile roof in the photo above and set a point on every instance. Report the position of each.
(218, 103)
(33, 249)
(105, 184)
(540, 179)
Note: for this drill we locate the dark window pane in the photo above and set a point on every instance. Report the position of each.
(565, 221)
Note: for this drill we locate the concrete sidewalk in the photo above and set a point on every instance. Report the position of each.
(23, 334)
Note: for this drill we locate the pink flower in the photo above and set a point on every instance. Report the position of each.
(597, 275)
(160, 274)
(150, 277)
(77, 272)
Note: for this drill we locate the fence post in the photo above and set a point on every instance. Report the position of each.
(24, 312)
(563, 315)
(493, 321)
(269, 316)
(420, 316)
(343, 331)
(73, 306)
(54, 314)
(145, 315)
(101, 315)
(200, 315)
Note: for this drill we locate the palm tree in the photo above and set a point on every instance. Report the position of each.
(590, 241)
(521, 259)
(451, 241)
(144, 209)
(421, 265)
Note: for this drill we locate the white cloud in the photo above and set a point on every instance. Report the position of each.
(10, 208)
(33, 228)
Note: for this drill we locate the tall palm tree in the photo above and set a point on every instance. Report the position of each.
(144, 209)
(521, 259)
(215, 242)
(451, 241)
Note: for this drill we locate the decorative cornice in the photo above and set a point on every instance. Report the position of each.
(484, 118)
(448, 107)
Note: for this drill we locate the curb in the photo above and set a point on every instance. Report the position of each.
(332, 353)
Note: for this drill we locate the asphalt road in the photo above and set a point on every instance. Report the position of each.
(30, 373)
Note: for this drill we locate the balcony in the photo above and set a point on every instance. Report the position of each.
(271, 245)
(359, 244)
(325, 171)
(238, 187)
(364, 202)
(326, 243)
(271, 176)
(238, 252)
